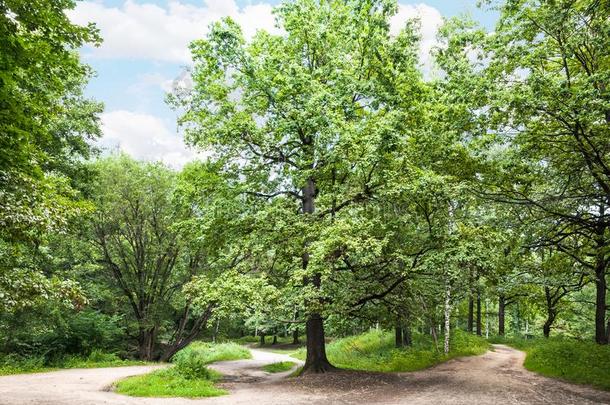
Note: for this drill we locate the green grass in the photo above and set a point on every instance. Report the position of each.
(375, 351)
(279, 367)
(268, 340)
(212, 352)
(19, 365)
(188, 377)
(169, 383)
(578, 361)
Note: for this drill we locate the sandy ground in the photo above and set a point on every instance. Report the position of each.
(496, 377)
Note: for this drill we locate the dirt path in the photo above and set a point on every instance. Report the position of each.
(249, 370)
(496, 377)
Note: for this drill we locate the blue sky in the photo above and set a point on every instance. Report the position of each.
(145, 50)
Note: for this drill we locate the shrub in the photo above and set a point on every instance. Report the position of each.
(169, 383)
(192, 365)
(210, 352)
(375, 351)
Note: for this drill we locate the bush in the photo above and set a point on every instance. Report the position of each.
(54, 334)
(375, 351)
(169, 383)
(98, 356)
(188, 377)
(192, 365)
(210, 352)
(14, 364)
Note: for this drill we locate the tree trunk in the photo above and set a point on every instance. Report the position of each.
(546, 328)
(407, 340)
(501, 312)
(262, 342)
(295, 336)
(551, 313)
(215, 334)
(447, 317)
(486, 319)
(600, 298)
(398, 339)
(478, 313)
(146, 343)
(316, 360)
(274, 342)
(434, 336)
(181, 339)
(470, 314)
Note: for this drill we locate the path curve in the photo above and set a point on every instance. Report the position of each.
(249, 370)
(496, 377)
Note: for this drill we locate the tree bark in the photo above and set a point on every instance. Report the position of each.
(407, 340)
(470, 314)
(501, 312)
(478, 313)
(551, 313)
(182, 339)
(447, 317)
(398, 338)
(146, 343)
(546, 328)
(316, 360)
(295, 336)
(262, 340)
(600, 286)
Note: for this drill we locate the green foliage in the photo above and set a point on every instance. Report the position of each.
(51, 333)
(233, 293)
(206, 353)
(191, 365)
(578, 361)
(279, 367)
(47, 126)
(169, 383)
(15, 364)
(343, 186)
(188, 377)
(375, 351)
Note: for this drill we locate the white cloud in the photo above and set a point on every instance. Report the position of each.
(161, 34)
(153, 80)
(144, 137)
(151, 32)
(430, 21)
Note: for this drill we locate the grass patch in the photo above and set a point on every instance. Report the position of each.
(12, 364)
(279, 367)
(188, 377)
(211, 352)
(281, 340)
(578, 361)
(375, 351)
(170, 383)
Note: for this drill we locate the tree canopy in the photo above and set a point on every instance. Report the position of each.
(342, 188)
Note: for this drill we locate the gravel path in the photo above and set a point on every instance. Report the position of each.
(496, 377)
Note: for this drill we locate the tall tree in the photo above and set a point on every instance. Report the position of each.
(550, 62)
(45, 124)
(312, 115)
